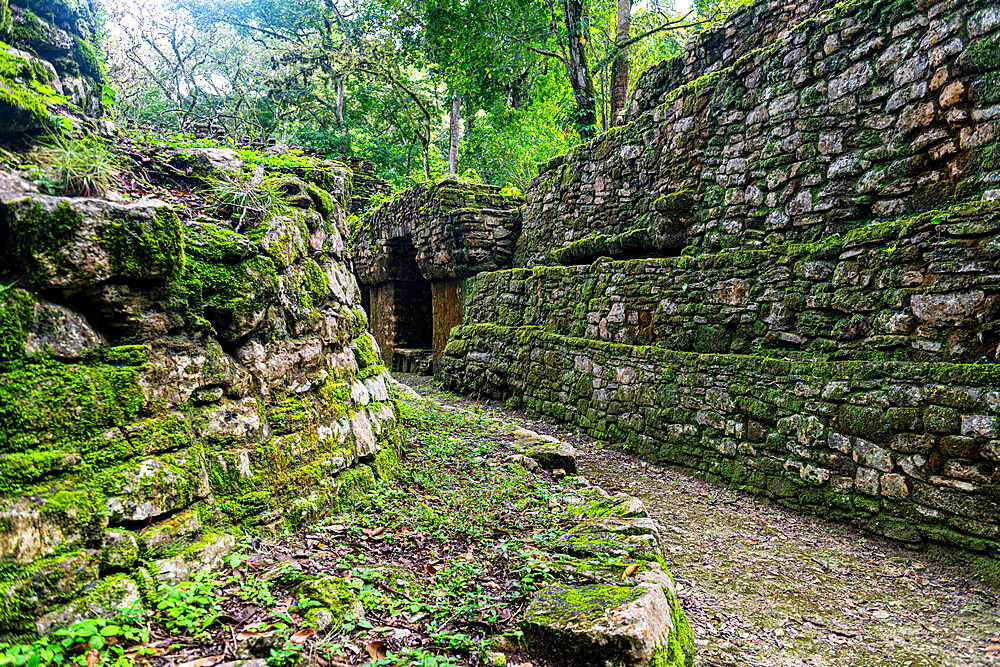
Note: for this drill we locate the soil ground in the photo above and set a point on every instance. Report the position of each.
(764, 586)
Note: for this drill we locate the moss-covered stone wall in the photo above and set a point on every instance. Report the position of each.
(51, 72)
(760, 275)
(450, 228)
(924, 288)
(906, 450)
(754, 26)
(166, 386)
(869, 110)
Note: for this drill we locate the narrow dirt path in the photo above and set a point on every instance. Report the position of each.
(764, 586)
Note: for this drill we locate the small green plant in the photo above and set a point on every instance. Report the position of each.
(190, 607)
(287, 654)
(101, 638)
(243, 199)
(71, 166)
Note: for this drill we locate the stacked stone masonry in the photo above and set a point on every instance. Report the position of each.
(869, 110)
(452, 229)
(166, 385)
(413, 252)
(906, 450)
(781, 271)
(924, 288)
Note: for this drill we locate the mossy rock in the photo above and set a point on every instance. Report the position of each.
(335, 596)
(602, 625)
(633, 538)
(64, 243)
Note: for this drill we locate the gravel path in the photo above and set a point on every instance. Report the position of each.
(765, 586)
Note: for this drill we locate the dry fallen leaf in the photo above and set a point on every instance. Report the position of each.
(376, 649)
(93, 657)
(430, 569)
(203, 662)
(302, 635)
(466, 557)
(373, 532)
(630, 570)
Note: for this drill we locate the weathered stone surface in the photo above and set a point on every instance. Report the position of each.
(608, 536)
(555, 456)
(52, 46)
(822, 299)
(455, 229)
(221, 159)
(248, 394)
(815, 435)
(787, 133)
(69, 244)
(600, 624)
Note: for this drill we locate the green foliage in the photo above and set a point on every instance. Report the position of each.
(70, 646)
(190, 607)
(75, 166)
(243, 199)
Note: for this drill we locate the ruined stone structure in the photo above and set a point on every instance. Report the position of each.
(162, 384)
(366, 186)
(52, 49)
(413, 254)
(165, 383)
(768, 273)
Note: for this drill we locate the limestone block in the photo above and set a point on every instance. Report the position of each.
(72, 243)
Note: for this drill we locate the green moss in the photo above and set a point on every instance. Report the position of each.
(680, 650)
(353, 485)
(367, 356)
(34, 232)
(17, 308)
(322, 201)
(140, 247)
(336, 395)
(50, 401)
(331, 592)
(386, 463)
(86, 58)
(229, 296)
(21, 468)
(580, 605)
(288, 412)
(29, 32)
(128, 355)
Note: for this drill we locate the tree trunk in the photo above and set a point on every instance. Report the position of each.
(577, 31)
(456, 104)
(620, 68)
(338, 111)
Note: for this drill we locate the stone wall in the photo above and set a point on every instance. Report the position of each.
(50, 70)
(870, 110)
(926, 288)
(761, 275)
(452, 229)
(166, 385)
(752, 27)
(906, 450)
(412, 253)
(366, 186)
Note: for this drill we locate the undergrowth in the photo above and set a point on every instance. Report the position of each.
(445, 550)
(74, 166)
